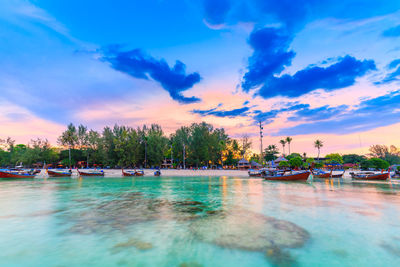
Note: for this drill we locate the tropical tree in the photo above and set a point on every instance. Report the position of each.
(69, 138)
(246, 145)
(283, 164)
(271, 153)
(283, 143)
(296, 162)
(334, 158)
(318, 144)
(288, 141)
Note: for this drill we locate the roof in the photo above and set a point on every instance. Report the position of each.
(253, 163)
(243, 161)
(281, 158)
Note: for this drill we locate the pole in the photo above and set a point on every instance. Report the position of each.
(261, 143)
(145, 154)
(184, 165)
(172, 158)
(69, 152)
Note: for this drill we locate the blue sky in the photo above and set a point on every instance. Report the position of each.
(305, 68)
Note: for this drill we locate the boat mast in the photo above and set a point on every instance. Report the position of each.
(261, 143)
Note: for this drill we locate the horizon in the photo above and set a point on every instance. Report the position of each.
(324, 71)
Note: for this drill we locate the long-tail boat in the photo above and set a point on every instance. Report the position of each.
(255, 173)
(281, 176)
(366, 176)
(157, 173)
(16, 174)
(52, 173)
(91, 173)
(322, 174)
(338, 175)
(132, 173)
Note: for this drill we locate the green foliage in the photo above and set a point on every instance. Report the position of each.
(318, 165)
(296, 162)
(353, 158)
(271, 153)
(293, 155)
(378, 163)
(283, 164)
(310, 160)
(335, 158)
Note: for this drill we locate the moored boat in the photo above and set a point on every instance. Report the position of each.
(370, 176)
(60, 173)
(255, 173)
(90, 173)
(157, 173)
(281, 176)
(132, 173)
(16, 174)
(321, 174)
(338, 175)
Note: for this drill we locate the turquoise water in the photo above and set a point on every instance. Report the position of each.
(198, 221)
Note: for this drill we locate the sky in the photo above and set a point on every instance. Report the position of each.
(309, 69)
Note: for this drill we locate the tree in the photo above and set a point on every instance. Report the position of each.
(334, 158)
(246, 145)
(271, 153)
(293, 155)
(283, 164)
(378, 163)
(390, 154)
(353, 158)
(318, 144)
(296, 162)
(283, 143)
(69, 138)
(288, 141)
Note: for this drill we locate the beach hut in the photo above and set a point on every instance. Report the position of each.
(281, 158)
(243, 164)
(255, 165)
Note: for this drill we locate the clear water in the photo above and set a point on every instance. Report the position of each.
(148, 221)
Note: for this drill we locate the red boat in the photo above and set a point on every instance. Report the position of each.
(15, 174)
(323, 175)
(301, 176)
(92, 173)
(59, 173)
(132, 173)
(370, 176)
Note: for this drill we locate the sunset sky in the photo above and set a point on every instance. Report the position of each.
(307, 69)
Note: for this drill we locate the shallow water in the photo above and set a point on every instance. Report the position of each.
(198, 221)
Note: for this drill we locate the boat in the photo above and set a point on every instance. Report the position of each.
(322, 174)
(157, 173)
(338, 175)
(370, 176)
(90, 173)
(255, 173)
(60, 173)
(281, 176)
(16, 174)
(132, 173)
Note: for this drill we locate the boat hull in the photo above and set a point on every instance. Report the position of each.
(132, 174)
(14, 175)
(291, 177)
(82, 174)
(372, 177)
(58, 174)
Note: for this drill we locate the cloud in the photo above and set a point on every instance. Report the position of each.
(139, 65)
(320, 113)
(215, 11)
(392, 32)
(394, 64)
(392, 76)
(336, 76)
(223, 113)
(268, 116)
(369, 114)
(270, 56)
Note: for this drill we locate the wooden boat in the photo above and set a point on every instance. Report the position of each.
(15, 174)
(323, 175)
(338, 175)
(281, 176)
(157, 173)
(132, 173)
(59, 173)
(92, 173)
(255, 173)
(370, 176)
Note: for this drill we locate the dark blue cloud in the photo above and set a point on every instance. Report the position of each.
(223, 113)
(320, 113)
(394, 64)
(391, 77)
(270, 56)
(268, 116)
(216, 11)
(142, 66)
(246, 103)
(339, 75)
(392, 32)
(369, 114)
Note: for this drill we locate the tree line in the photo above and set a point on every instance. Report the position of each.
(199, 144)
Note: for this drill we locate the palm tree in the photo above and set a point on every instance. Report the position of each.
(318, 144)
(283, 143)
(288, 140)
